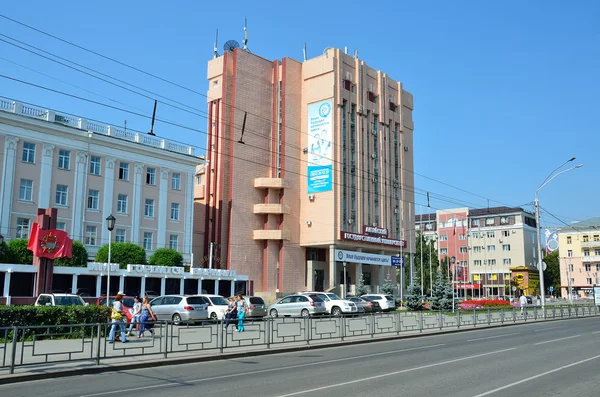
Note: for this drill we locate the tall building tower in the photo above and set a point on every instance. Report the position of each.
(309, 183)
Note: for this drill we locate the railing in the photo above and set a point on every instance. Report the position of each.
(39, 345)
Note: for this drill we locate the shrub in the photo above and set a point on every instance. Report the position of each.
(166, 257)
(123, 254)
(484, 303)
(79, 259)
(18, 253)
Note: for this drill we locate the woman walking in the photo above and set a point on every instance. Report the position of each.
(135, 315)
(147, 314)
(116, 317)
(231, 312)
(242, 308)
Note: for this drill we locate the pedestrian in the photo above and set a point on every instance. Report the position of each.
(147, 314)
(523, 303)
(232, 313)
(135, 315)
(116, 317)
(242, 308)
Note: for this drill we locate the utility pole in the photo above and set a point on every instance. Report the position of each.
(210, 255)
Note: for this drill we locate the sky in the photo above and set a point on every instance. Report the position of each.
(504, 91)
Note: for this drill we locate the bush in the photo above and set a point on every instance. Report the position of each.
(79, 259)
(484, 303)
(123, 254)
(166, 257)
(18, 253)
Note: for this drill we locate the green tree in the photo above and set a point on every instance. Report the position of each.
(166, 257)
(361, 289)
(552, 272)
(123, 254)
(430, 262)
(442, 295)
(18, 253)
(4, 257)
(413, 296)
(79, 258)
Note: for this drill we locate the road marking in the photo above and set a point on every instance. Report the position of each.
(596, 332)
(121, 391)
(487, 393)
(395, 373)
(545, 329)
(556, 340)
(493, 337)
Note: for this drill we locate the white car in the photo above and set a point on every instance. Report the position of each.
(334, 304)
(59, 300)
(386, 302)
(216, 306)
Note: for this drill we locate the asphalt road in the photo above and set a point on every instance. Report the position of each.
(539, 359)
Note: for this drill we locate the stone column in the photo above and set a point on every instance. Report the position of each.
(7, 285)
(188, 238)
(163, 207)
(331, 277)
(108, 196)
(78, 196)
(137, 202)
(8, 182)
(46, 176)
(74, 284)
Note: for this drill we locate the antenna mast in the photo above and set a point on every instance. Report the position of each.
(304, 51)
(245, 41)
(216, 54)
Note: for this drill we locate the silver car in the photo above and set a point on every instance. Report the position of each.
(256, 306)
(180, 308)
(298, 305)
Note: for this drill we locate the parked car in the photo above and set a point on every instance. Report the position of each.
(216, 306)
(256, 306)
(151, 294)
(298, 305)
(386, 302)
(334, 304)
(364, 305)
(374, 301)
(180, 308)
(127, 302)
(59, 300)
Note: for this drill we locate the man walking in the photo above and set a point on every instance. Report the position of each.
(523, 303)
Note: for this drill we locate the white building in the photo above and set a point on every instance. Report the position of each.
(88, 171)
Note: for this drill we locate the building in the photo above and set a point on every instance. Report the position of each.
(88, 171)
(579, 257)
(308, 171)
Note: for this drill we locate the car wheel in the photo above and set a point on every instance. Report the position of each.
(213, 316)
(304, 313)
(336, 311)
(273, 313)
(176, 319)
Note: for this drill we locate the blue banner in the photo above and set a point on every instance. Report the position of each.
(320, 147)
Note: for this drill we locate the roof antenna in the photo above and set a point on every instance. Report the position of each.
(153, 117)
(215, 47)
(304, 51)
(243, 129)
(245, 41)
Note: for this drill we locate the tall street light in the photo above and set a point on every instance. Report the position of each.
(537, 223)
(110, 225)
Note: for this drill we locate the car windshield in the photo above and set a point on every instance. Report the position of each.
(67, 301)
(389, 298)
(195, 300)
(255, 300)
(129, 302)
(333, 296)
(315, 298)
(218, 300)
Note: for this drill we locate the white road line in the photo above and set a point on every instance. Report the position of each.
(121, 391)
(395, 373)
(493, 337)
(545, 329)
(596, 332)
(556, 340)
(487, 393)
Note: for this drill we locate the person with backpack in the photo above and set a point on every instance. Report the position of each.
(116, 317)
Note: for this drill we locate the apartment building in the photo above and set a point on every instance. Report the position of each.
(306, 185)
(579, 257)
(88, 171)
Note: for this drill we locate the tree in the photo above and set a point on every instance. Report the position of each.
(361, 289)
(442, 295)
(388, 288)
(430, 257)
(413, 296)
(552, 272)
(4, 257)
(18, 253)
(79, 258)
(166, 257)
(123, 254)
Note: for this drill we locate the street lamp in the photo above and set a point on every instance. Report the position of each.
(110, 225)
(548, 179)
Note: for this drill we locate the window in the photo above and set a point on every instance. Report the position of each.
(22, 228)
(95, 165)
(585, 239)
(120, 236)
(588, 267)
(489, 221)
(491, 248)
(93, 199)
(503, 220)
(475, 234)
(492, 262)
(588, 280)
(26, 190)
(176, 181)
(506, 261)
(62, 192)
(122, 203)
(462, 237)
(463, 250)
(570, 253)
(596, 237)
(91, 234)
(597, 268)
(64, 159)
(571, 267)
(173, 241)
(476, 277)
(61, 226)
(491, 234)
(586, 252)
(123, 171)
(151, 176)
(28, 152)
(147, 240)
(174, 211)
(597, 252)
(505, 233)
(149, 208)
(477, 262)
(477, 249)
(443, 237)
(475, 222)
(505, 247)
(199, 179)
(568, 239)
(443, 251)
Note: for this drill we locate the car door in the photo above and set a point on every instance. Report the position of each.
(156, 305)
(301, 303)
(170, 306)
(283, 306)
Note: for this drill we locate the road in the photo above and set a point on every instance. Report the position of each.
(537, 359)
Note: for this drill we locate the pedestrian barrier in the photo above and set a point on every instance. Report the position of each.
(22, 346)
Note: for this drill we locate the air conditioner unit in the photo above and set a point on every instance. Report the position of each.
(311, 197)
(350, 221)
(406, 148)
(395, 210)
(514, 232)
(500, 241)
(305, 149)
(348, 76)
(373, 156)
(360, 109)
(374, 224)
(371, 88)
(374, 180)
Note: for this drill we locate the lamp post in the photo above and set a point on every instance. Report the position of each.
(110, 225)
(548, 179)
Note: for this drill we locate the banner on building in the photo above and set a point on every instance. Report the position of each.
(320, 147)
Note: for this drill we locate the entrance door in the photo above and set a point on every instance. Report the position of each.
(318, 280)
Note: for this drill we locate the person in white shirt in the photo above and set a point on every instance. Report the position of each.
(136, 314)
(117, 319)
(523, 302)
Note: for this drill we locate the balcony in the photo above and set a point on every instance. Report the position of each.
(592, 258)
(271, 209)
(590, 244)
(271, 234)
(269, 183)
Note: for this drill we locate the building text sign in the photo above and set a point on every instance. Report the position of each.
(151, 270)
(374, 230)
(362, 238)
(363, 257)
(213, 272)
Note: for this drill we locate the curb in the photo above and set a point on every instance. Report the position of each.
(102, 368)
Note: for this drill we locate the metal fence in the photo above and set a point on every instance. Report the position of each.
(43, 345)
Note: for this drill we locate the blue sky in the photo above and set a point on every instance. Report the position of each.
(504, 91)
